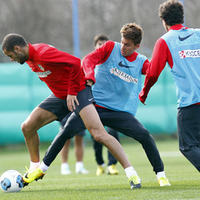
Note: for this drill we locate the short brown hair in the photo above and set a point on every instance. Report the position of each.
(172, 12)
(132, 31)
(11, 40)
(100, 37)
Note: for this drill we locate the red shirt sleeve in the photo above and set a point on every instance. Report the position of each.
(96, 57)
(145, 67)
(160, 56)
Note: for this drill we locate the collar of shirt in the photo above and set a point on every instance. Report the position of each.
(177, 27)
(132, 57)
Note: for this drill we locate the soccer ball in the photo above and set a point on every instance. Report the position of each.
(11, 181)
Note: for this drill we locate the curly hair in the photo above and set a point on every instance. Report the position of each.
(172, 12)
(132, 31)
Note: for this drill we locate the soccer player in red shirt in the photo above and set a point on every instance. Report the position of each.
(63, 75)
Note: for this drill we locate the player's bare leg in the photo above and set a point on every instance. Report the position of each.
(79, 152)
(79, 149)
(92, 122)
(64, 157)
(37, 119)
(65, 151)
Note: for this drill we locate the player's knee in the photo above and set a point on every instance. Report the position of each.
(98, 137)
(25, 129)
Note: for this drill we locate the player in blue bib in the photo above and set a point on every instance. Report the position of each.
(180, 47)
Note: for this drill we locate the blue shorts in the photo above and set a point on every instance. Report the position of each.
(59, 107)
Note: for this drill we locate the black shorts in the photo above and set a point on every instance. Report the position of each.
(85, 97)
(59, 107)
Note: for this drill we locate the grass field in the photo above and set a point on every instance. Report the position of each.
(183, 177)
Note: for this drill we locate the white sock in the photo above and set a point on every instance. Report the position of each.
(43, 166)
(130, 171)
(160, 175)
(34, 165)
(79, 165)
(64, 165)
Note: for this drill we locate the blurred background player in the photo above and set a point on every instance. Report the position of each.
(79, 153)
(98, 148)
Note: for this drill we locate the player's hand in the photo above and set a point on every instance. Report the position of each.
(72, 101)
(89, 82)
(142, 97)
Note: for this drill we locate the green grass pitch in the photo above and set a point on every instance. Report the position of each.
(183, 177)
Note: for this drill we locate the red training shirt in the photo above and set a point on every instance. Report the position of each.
(59, 70)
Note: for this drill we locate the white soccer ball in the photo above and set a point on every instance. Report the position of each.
(11, 181)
